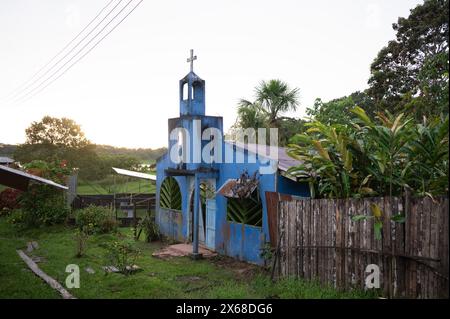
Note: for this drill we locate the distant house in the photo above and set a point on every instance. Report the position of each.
(6, 161)
(216, 218)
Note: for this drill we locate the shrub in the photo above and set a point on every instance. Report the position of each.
(95, 219)
(108, 225)
(81, 238)
(122, 255)
(150, 228)
(43, 204)
(16, 217)
(9, 200)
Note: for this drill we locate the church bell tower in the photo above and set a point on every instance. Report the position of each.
(192, 92)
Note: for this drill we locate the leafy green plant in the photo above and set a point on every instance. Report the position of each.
(429, 152)
(16, 218)
(122, 255)
(267, 253)
(81, 237)
(43, 205)
(95, 219)
(373, 157)
(377, 216)
(149, 227)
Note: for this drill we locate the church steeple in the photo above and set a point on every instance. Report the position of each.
(192, 91)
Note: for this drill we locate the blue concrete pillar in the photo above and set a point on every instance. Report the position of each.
(195, 253)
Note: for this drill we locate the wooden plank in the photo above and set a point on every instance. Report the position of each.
(293, 239)
(426, 233)
(351, 242)
(413, 248)
(347, 241)
(313, 239)
(288, 236)
(400, 240)
(443, 248)
(420, 248)
(386, 245)
(272, 208)
(299, 233)
(281, 253)
(328, 234)
(49, 280)
(341, 206)
(434, 240)
(320, 235)
(359, 275)
(307, 240)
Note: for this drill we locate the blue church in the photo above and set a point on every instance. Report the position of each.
(199, 176)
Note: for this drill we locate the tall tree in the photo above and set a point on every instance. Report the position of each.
(272, 99)
(59, 132)
(338, 111)
(56, 140)
(415, 64)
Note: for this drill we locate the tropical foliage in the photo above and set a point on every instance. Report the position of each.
(338, 111)
(272, 99)
(378, 156)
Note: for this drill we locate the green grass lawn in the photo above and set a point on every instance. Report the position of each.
(107, 187)
(174, 278)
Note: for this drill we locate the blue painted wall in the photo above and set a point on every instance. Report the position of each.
(288, 186)
(170, 224)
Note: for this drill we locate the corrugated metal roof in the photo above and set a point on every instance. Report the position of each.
(228, 189)
(20, 180)
(6, 160)
(126, 172)
(284, 160)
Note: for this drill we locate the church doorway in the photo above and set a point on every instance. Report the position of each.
(206, 192)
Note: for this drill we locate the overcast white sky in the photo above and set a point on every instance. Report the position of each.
(123, 92)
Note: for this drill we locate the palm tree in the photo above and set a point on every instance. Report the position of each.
(275, 97)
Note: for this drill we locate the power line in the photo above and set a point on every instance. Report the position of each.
(70, 51)
(81, 57)
(15, 91)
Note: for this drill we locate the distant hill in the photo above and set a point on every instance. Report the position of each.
(143, 154)
(7, 149)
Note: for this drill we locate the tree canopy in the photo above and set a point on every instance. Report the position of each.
(412, 70)
(59, 132)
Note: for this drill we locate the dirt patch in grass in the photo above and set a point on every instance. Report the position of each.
(242, 270)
